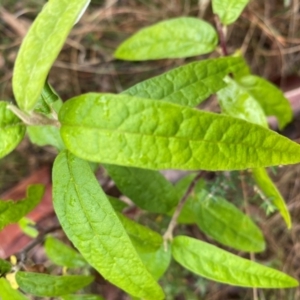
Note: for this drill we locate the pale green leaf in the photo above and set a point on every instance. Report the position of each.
(63, 255)
(45, 135)
(40, 48)
(27, 226)
(13, 211)
(91, 224)
(148, 189)
(156, 262)
(235, 101)
(267, 186)
(174, 38)
(45, 285)
(219, 265)
(5, 267)
(12, 130)
(228, 10)
(225, 223)
(130, 131)
(271, 99)
(82, 297)
(8, 293)
(188, 85)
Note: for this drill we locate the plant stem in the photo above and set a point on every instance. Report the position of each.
(168, 236)
(34, 119)
(221, 34)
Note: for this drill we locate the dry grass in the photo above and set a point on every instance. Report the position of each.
(267, 33)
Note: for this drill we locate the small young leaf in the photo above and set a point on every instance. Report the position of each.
(82, 297)
(156, 262)
(235, 101)
(143, 238)
(188, 85)
(271, 99)
(225, 223)
(44, 285)
(175, 38)
(95, 230)
(12, 130)
(5, 267)
(8, 293)
(62, 255)
(148, 189)
(130, 131)
(27, 226)
(228, 10)
(219, 265)
(40, 48)
(267, 186)
(12, 212)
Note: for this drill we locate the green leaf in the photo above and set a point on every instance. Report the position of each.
(40, 48)
(82, 297)
(45, 135)
(13, 211)
(5, 267)
(188, 85)
(27, 226)
(148, 189)
(235, 101)
(156, 262)
(267, 186)
(12, 130)
(219, 265)
(8, 293)
(271, 99)
(225, 223)
(91, 223)
(44, 285)
(62, 255)
(175, 38)
(117, 204)
(228, 10)
(130, 131)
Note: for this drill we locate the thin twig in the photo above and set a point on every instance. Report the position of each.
(221, 34)
(168, 236)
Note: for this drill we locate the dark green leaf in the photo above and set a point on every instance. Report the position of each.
(12, 130)
(148, 189)
(175, 38)
(13, 211)
(117, 204)
(62, 255)
(5, 267)
(130, 131)
(188, 85)
(95, 230)
(44, 285)
(219, 265)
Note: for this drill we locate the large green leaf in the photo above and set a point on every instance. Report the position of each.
(188, 85)
(45, 285)
(63, 255)
(148, 189)
(12, 130)
(237, 102)
(13, 211)
(225, 223)
(8, 293)
(216, 264)
(130, 131)
(94, 228)
(175, 38)
(228, 10)
(271, 99)
(267, 186)
(40, 48)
